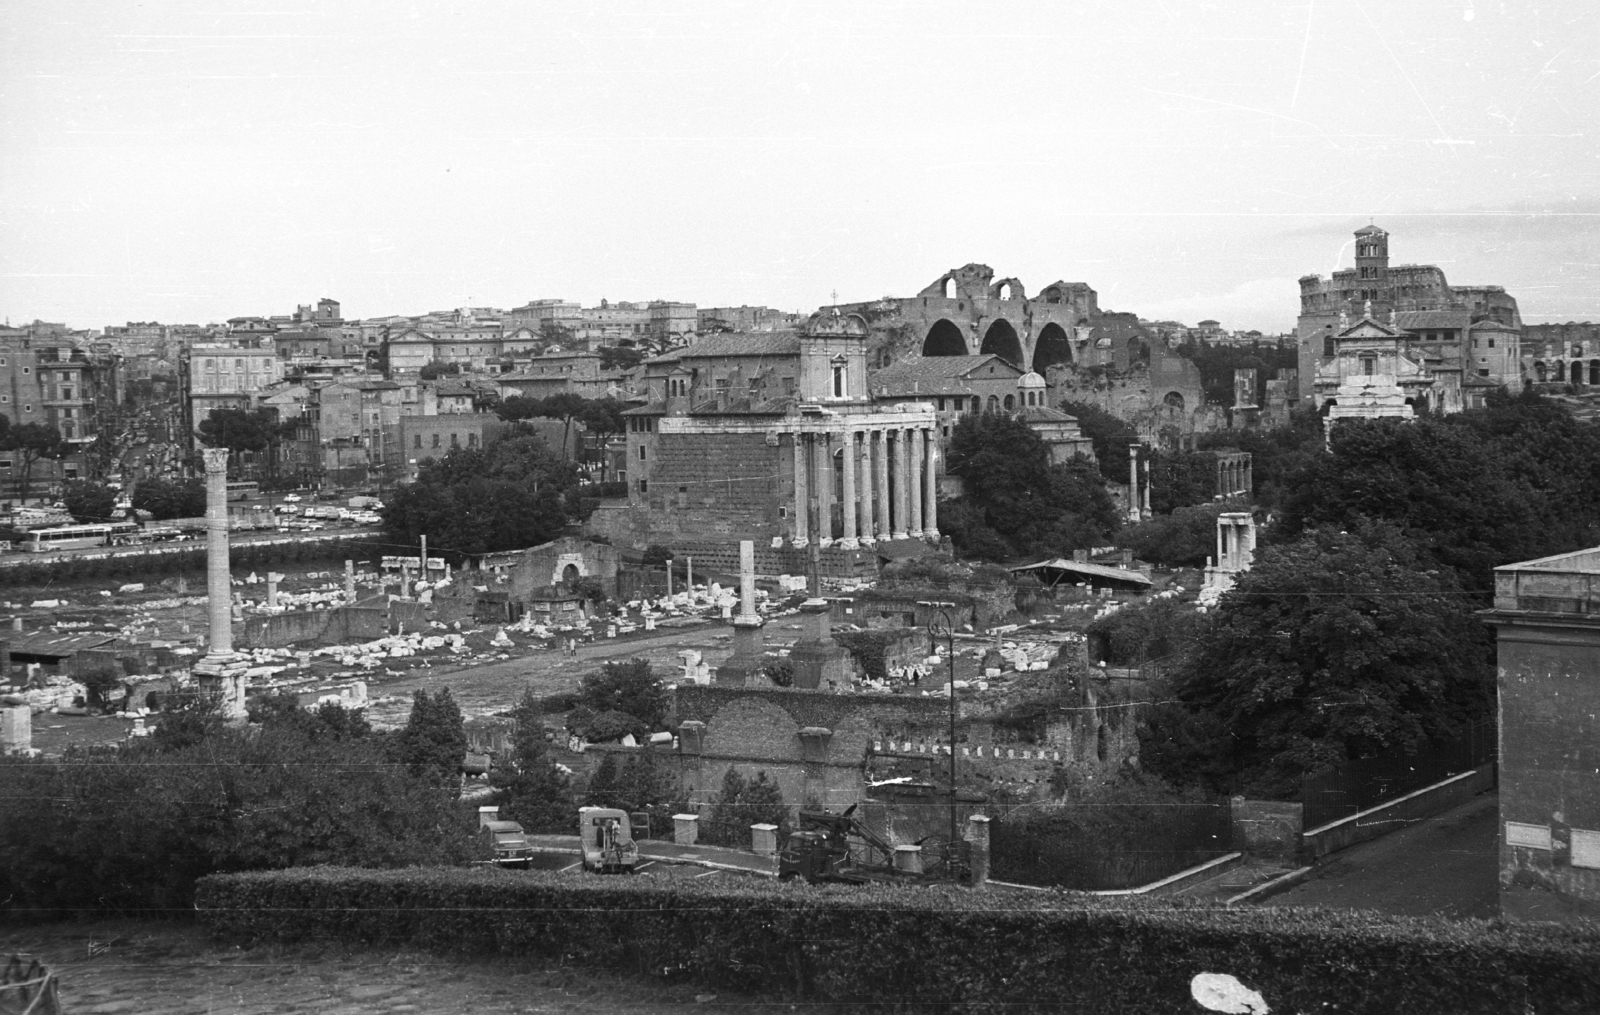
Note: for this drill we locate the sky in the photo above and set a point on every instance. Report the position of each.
(1189, 159)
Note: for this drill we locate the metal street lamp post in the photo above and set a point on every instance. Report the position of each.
(941, 626)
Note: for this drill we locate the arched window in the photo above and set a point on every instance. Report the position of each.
(1327, 345)
(994, 403)
(949, 288)
(1539, 370)
(1011, 403)
(977, 404)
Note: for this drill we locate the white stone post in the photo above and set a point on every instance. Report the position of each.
(930, 494)
(802, 496)
(850, 504)
(685, 829)
(350, 581)
(273, 579)
(747, 579)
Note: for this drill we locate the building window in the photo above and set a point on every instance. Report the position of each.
(838, 380)
(27, 408)
(644, 486)
(435, 440)
(27, 370)
(472, 440)
(1327, 345)
(1483, 372)
(1369, 365)
(1010, 403)
(641, 452)
(1491, 341)
(416, 440)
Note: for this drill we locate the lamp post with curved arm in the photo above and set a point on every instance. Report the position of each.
(941, 626)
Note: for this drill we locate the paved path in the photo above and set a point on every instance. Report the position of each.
(1445, 866)
(667, 852)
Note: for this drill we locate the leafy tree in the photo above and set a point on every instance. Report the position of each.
(176, 498)
(1218, 362)
(31, 442)
(133, 829)
(616, 357)
(603, 784)
(1110, 434)
(434, 740)
(512, 494)
(629, 688)
(1277, 454)
(1475, 490)
(1182, 479)
(534, 792)
(742, 803)
(434, 371)
(89, 502)
(1185, 538)
(645, 784)
(1337, 645)
(328, 721)
(1014, 491)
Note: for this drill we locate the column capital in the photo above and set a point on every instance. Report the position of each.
(216, 460)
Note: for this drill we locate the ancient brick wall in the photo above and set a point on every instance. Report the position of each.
(710, 485)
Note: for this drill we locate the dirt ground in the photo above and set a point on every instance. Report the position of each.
(160, 968)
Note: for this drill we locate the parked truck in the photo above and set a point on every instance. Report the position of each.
(607, 839)
(838, 848)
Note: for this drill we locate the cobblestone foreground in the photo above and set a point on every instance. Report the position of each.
(154, 968)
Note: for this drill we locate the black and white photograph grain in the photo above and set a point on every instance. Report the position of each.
(799, 507)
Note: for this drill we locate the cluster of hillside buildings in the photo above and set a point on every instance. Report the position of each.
(1375, 340)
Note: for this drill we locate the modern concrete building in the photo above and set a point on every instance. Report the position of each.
(1547, 623)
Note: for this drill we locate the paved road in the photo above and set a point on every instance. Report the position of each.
(1445, 866)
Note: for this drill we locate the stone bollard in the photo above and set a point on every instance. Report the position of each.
(764, 840)
(685, 829)
(908, 858)
(350, 581)
(978, 836)
(16, 729)
(272, 589)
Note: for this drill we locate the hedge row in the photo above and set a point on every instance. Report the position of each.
(184, 559)
(924, 949)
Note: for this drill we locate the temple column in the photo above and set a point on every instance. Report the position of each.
(802, 497)
(930, 494)
(914, 452)
(849, 505)
(1133, 482)
(822, 477)
(868, 525)
(882, 453)
(902, 503)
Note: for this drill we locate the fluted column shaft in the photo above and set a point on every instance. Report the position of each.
(914, 481)
(930, 494)
(868, 525)
(849, 505)
(802, 496)
(902, 468)
(882, 452)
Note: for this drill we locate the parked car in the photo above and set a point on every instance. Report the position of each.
(510, 843)
(291, 498)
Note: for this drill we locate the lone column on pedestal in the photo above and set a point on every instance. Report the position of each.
(748, 651)
(930, 493)
(220, 672)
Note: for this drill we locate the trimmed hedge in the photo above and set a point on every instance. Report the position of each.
(925, 948)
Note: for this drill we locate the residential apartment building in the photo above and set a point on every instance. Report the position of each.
(214, 375)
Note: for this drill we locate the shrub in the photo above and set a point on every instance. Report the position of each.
(743, 803)
(934, 948)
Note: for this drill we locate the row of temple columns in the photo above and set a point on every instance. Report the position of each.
(888, 485)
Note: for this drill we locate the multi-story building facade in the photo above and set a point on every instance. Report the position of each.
(1467, 337)
(214, 375)
(1562, 353)
(1546, 617)
(745, 319)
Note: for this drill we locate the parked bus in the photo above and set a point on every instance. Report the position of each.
(243, 491)
(64, 537)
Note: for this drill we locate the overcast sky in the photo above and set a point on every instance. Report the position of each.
(193, 161)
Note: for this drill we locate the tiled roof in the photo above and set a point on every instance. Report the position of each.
(1411, 320)
(765, 343)
(747, 407)
(936, 369)
(648, 409)
(1043, 414)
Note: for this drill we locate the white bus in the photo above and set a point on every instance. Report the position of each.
(65, 537)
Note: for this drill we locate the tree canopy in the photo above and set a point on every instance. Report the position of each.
(31, 442)
(508, 495)
(1336, 645)
(1017, 502)
(433, 742)
(1110, 434)
(170, 498)
(88, 502)
(533, 791)
(623, 697)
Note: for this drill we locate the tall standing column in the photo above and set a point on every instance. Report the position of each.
(930, 493)
(882, 452)
(1144, 503)
(902, 504)
(868, 525)
(802, 497)
(822, 478)
(219, 584)
(849, 505)
(1133, 482)
(914, 482)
